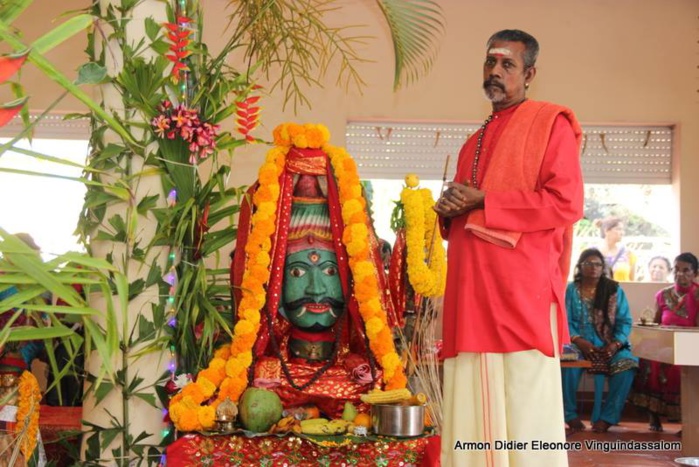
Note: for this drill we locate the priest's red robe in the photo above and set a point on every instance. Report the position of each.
(498, 299)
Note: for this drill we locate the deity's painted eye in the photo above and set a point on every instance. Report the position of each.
(297, 272)
(330, 271)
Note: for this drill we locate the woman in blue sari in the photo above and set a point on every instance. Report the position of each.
(599, 321)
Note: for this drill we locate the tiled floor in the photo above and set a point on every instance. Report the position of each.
(627, 431)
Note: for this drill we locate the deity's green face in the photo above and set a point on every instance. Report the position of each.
(312, 292)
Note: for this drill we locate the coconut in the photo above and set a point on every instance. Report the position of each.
(259, 409)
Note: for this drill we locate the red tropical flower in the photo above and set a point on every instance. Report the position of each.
(247, 117)
(179, 34)
(9, 65)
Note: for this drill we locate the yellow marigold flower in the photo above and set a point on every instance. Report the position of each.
(206, 385)
(412, 180)
(234, 367)
(175, 411)
(243, 327)
(207, 417)
(253, 316)
(360, 231)
(373, 326)
(325, 133)
(245, 358)
(364, 268)
(218, 363)
(356, 247)
(300, 141)
(350, 207)
(263, 259)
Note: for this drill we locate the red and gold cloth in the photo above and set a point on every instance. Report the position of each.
(236, 450)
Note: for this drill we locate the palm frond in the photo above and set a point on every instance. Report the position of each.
(416, 29)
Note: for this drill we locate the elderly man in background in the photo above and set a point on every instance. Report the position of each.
(508, 217)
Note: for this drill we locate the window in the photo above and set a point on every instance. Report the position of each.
(627, 171)
(45, 207)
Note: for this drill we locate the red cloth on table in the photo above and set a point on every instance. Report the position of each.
(221, 450)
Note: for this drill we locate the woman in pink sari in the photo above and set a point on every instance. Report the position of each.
(657, 386)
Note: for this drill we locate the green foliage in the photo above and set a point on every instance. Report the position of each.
(416, 29)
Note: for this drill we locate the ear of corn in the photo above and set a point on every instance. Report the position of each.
(377, 396)
(418, 399)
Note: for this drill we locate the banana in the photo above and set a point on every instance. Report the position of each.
(337, 427)
(322, 426)
(314, 426)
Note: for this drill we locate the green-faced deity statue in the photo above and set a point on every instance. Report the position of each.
(312, 295)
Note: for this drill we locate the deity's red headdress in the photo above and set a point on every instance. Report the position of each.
(309, 225)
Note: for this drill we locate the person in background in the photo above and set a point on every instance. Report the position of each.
(29, 350)
(659, 268)
(657, 386)
(620, 260)
(599, 321)
(508, 217)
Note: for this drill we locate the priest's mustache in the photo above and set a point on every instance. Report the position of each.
(492, 82)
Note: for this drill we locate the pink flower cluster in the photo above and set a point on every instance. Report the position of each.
(185, 123)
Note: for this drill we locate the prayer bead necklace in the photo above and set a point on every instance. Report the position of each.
(477, 156)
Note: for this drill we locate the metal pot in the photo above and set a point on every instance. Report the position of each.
(398, 420)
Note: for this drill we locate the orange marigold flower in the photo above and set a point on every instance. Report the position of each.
(194, 392)
(398, 381)
(189, 421)
(222, 353)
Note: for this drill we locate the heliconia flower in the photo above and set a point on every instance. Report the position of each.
(9, 110)
(10, 64)
(247, 117)
(179, 34)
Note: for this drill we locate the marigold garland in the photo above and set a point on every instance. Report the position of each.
(426, 278)
(28, 412)
(186, 410)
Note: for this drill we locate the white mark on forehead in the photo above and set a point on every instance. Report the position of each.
(499, 51)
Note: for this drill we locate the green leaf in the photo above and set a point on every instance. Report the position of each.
(136, 288)
(117, 222)
(61, 33)
(416, 27)
(91, 73)
(133, 385)
(28, 333)
(153, 29)
(149, 398)
(10, 10)
(147, 204)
